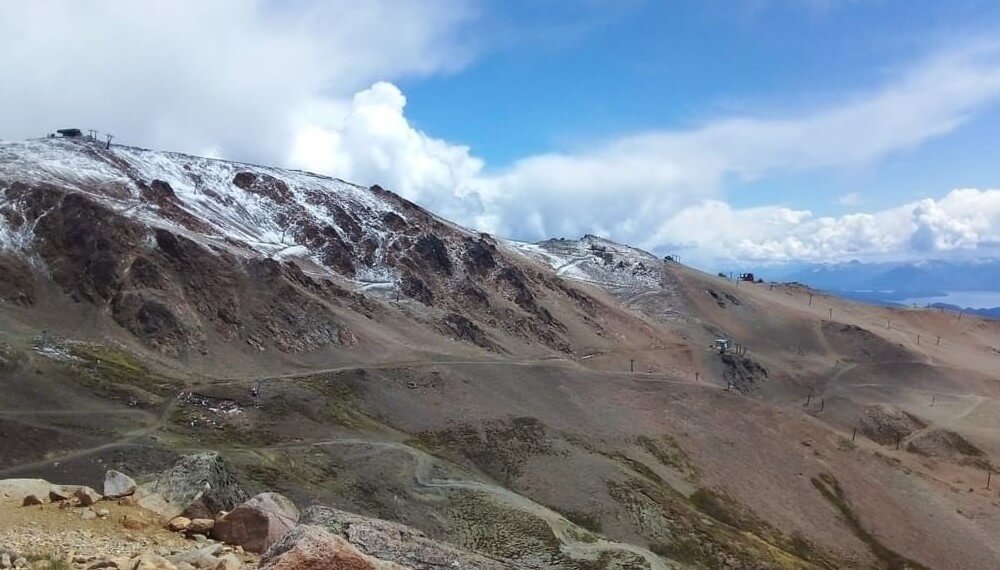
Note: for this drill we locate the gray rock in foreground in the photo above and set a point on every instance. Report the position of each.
(309, 547)
(118, 484)
(397, 543)
(197, 486)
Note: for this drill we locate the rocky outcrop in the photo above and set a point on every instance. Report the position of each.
(258, 523)
(150, 561)
(888, 425)
(945, 444)
(397, 543)
(313, 548)
(461, 328)
(17, 284)
(197, 486)
(743, 373)
(204, 557)
(17, 489)
(263, 185)
(268, 523)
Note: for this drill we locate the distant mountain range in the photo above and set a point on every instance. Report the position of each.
(897, 282)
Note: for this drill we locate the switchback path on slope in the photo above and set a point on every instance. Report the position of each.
(565, 531)
(130, 438)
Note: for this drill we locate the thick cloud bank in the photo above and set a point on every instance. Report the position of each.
(308, 84)
(233, 77)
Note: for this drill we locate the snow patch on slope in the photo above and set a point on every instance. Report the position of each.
(596, 260)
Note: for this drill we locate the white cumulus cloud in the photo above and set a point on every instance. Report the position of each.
(236, 77)
(309, 84)
(660, 189)
(964, 219)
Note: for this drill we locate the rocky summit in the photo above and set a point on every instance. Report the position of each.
(211, 364)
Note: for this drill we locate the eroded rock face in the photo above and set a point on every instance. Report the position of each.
(17, 284)
(264, 185)
(83, 243)
(743, 373)
(480, 256)
(434, 253)
(258, 523)
(461, 328)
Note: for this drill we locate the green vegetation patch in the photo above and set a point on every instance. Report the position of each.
(829, 487)
(498, 530)
(709, 529)
(11, 359)
(499, 448)
(111, 371)
(667, 452)
(634, 465)
(342, 404)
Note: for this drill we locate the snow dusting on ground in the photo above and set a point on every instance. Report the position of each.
(228, 217)
(596, 260)
(208, 207)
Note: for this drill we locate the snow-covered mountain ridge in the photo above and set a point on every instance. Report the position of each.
(244, 209)
(177, 246)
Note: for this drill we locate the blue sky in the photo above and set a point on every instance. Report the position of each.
(732, 131)
(612, 68)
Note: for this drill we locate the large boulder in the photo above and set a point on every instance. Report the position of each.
(31, 501)
(197, 486)
(397, 543)
(17, 489)
(86, 496)
(258, 523)
(314, 548)
(118, 484)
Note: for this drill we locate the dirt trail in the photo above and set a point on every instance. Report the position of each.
(129, 438)
(126, 440)
(542, 361)
(401, 364)
(563, 529)
(23, 413)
